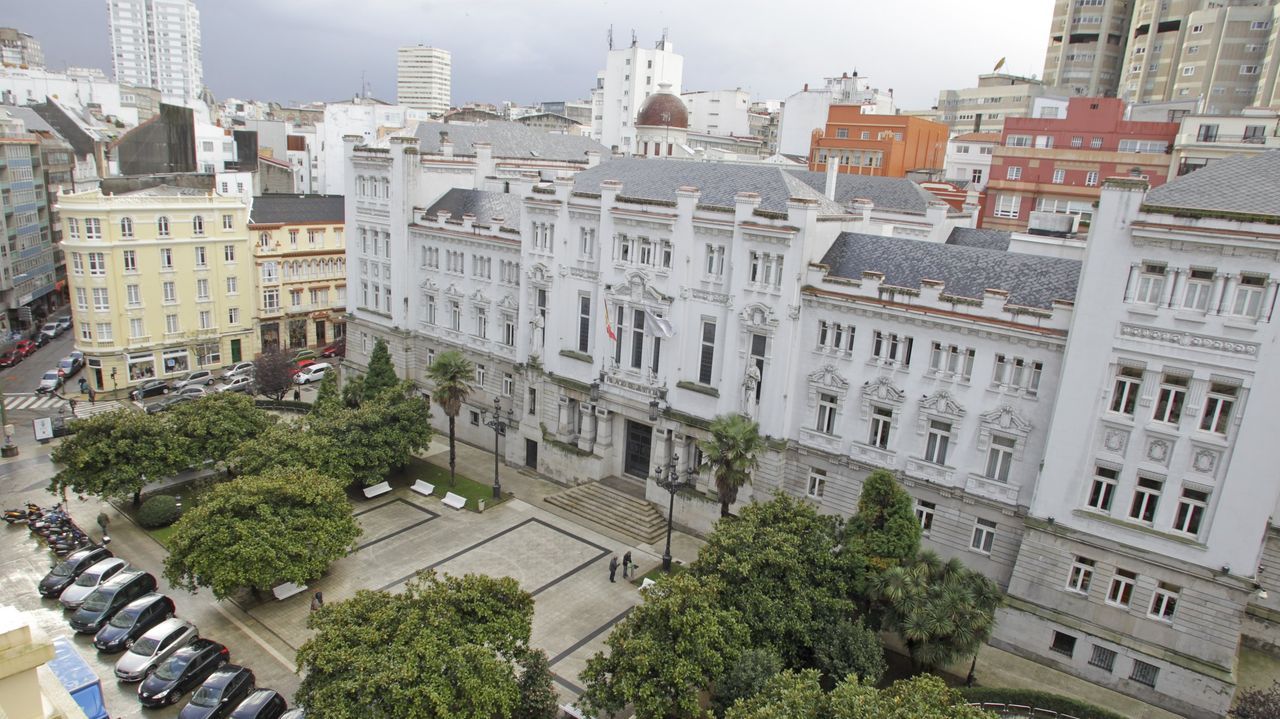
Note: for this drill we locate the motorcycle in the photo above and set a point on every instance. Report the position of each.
(22, 516)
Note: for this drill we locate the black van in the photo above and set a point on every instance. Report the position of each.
(132, 622)
(261, 704)
(111, 597)
(63, 575)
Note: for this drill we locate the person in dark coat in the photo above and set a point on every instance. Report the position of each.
(627, 566)
(317, 601)
(613, 567)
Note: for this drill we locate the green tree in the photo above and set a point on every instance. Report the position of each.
(217, 424)
(884, 529)
(789, 695)
(849, 647)
(380, 435)
(942, 610)
(732, 453)
(666, 652)
(538, 698)
(287, 525)
(114, 454)
(784, 575)
(451, 373)
(329, 397)
(745, 677)
(381, 375)
(444, 648)
(353, 391)
(291, 444)
(273, 373)
(798, 695)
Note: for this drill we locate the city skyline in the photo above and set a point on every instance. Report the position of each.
(553, 52)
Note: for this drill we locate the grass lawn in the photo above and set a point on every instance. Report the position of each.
(190, 494)
(463, 486)
(656, 572)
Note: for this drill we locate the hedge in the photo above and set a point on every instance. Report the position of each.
(284, 405)
(158, 511)
(1038, 700)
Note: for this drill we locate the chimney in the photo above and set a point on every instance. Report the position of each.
(833, 172)
(446, 145)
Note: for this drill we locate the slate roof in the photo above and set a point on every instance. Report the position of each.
(167, 191)
(654, 179)
(272, 209)
(510, 140)
(972, 237)
(1030, 280)
(1245, 184)
(34, 122)
(888, 193)
(483, 204)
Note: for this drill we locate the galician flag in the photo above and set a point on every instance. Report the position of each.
(608, 326)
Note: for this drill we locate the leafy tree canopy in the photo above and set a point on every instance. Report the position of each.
(114, 454)
(271, 373)
(390, 427)
(286, 525)
(538, 698)
(218, 423)
(884, 529)
(444, 648)
(290, 444)
(329, 397)
(798, 695)
(745, 677)
(381, 375)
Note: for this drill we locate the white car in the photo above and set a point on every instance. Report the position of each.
(243, 383)
(238, 369)
(94, 576)
(314, 373)
(198, 377)
(50, 381)
(51, 330)
(154, 647)
(192, 390)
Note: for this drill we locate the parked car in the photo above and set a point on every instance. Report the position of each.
(261, 704)
(100, 606)
(314, 373)
(295, 713)
(132, 622)
(305, 355)
(154, 647)
(64, 323)
(182, 672)
(193, 391)
(11, 358)
(337, 349)
(51, 330)
(89, 580)
(39, 339)
(50, 381)
(220, 693)
(195, 377)
(238, 369)
(150, 388)
(70, 569)
(26, 347)
(167, 403)
(301, 365)
(243, 383)
(71, 364)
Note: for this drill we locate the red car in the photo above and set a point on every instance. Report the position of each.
(10, 358)
(337, 349)
(301, 365)
(25, 347)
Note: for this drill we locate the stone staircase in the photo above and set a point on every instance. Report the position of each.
(619, 511)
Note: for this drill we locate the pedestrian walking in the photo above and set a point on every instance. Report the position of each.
(103, 520)
(613, 567)
(627, 566)
(92, 397)
(317, 601)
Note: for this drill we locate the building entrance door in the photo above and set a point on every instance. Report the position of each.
(320, 332)
(638, 448)
(531, 454)
(235, 351)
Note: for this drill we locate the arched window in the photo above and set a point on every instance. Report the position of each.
(126, 227)
(162, 226)
(264, 239)
(386, 188)
(197, 225)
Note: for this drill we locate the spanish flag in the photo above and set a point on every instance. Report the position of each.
(608, 326)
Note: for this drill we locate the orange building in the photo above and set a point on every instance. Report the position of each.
(880, 145)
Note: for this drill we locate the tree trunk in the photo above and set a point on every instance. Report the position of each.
(453, 454)
(137, 498)
(724, 508)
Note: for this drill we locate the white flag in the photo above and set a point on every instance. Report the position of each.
(662, 327)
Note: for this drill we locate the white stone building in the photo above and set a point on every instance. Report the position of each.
(424, 78)
(968, 158)
(80, 89)
(806, 111)
(364, 116)
(156, 43)
(719, 112)
(630, 75)
(1203, 139)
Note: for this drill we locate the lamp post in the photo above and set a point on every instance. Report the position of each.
(669, 479)
(499, 425)
(115, 388)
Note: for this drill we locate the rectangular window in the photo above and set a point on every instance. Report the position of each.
(130, 261)
(584, 323)
(1217, 408)
(1170, 399)
(271, 299)
(100, 300)
(1103, 658)
(206, 319)
(1000, 458)
(77, 263)
(1091, 178)
(1164, 602)
(86, 331)
(104, 332)
(166, 258)
(1121, 590)
(455, 316)
(1191, 508)
(984, 536)
(170, 290)
(202, 290)
(1248, 299)
(82, 298)
(1063, 644)
(826, 413)
(508, 384)
(73, 227)
(481, 374)
(508, 331)
(1059, 176)
(136, 329)
(233, 285)
(1081, 575)
(714, 260)
(817, 483)
(1199, 287)
(891, 348)
(97, 264)
(202, 258)
(228, 253)
(1103, 488)
(482, 323)
(1124, 397)
(228, 222)
(707, 353)
(637, 339)
(233, 316)
(171, 325)
(938, 441)
(1013, 172)
(133, 295)
(1146, 498)
(924, 513)
(92, 229)
(881, 426)
(1008, 206)
(1144, 673)
(1150, 284)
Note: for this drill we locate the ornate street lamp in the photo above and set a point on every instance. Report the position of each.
(669, 478)
(499, 425)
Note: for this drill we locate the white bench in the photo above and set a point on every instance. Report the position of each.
(288, 589)
(647, 583)
(571, 710)
(454, 500)
(426, 489)
(377, 489)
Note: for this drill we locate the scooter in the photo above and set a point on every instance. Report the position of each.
(22, 516)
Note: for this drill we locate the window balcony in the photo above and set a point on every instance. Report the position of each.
(988, 488)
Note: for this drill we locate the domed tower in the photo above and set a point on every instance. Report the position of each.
(662, 125)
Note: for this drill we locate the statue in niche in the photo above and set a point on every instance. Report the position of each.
(749, 385)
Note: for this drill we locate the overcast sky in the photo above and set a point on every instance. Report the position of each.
(534, 50)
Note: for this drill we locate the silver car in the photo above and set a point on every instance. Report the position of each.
(237, 369)
(152, 648)
(94, 576)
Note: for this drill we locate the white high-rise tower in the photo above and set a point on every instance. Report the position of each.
(156, 43)
(424, 78)
(631, 74)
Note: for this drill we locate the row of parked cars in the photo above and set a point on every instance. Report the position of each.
(53, 379)
(27, 347)
(164, 654)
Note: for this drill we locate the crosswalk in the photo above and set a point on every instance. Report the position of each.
(86, 409)
(35, 402)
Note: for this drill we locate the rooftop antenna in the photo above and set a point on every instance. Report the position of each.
(610, 37)
(664, 36)
(633, 37)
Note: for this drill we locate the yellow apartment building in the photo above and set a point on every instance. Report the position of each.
(162, 282)
(301, 268)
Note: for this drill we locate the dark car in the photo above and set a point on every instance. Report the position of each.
(11, 358)
(261, 704)
(102, 605)
(132, 622)
(150, 388)
(219, 694)
(39, 339)
(182, 672)
(161, 405)
(62, 576)
(337, 349)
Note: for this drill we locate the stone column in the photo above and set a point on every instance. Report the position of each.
(1170, 288)
(1132, 284)
(604, 428)
(1219, 291)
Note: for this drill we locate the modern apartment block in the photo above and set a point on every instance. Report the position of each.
(300, 254)
(996, 98)
(879, 145)
(28, 264)
(630, 75)
(156, 43)
(1058, 165)
(162, 280)
(1204, 139)
(424, 78)
(1086, 45)
(19, 48)
(719, 112)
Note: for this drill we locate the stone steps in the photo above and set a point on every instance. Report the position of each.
(613, 509)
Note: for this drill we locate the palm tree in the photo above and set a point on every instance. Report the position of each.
(451, 373)
(732, 453)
